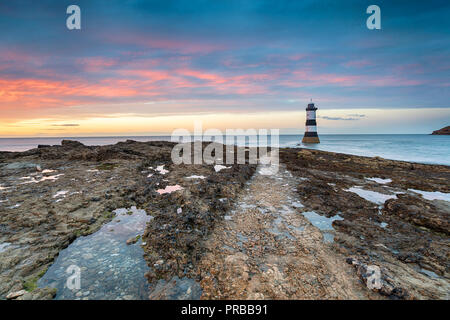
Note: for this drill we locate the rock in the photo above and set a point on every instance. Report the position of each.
(176, 289)
(375, 280)
(132, 240)
(418, 228)
(15, 294)
(71, 144)
(443, 131)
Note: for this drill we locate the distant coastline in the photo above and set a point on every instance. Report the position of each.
(443, 131)
(419, 148)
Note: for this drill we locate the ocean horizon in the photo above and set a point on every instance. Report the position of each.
(420, 148)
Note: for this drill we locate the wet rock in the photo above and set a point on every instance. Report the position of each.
(132, 240)
(417, 228)
(176, 289)
(71, 144)
(16, 294)
(372, 277)
(41, 226)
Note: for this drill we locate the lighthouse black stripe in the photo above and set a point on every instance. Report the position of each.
(311, 122)
(311, 134)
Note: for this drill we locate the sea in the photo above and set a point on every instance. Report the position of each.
(421, 148)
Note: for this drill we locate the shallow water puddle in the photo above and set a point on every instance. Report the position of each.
(372, 196)
(109, 268)
(322, 223)
(432, 195)
(275, 229)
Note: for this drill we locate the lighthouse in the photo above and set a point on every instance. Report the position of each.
(311, 125)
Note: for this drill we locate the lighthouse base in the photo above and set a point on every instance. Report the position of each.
(310, 139)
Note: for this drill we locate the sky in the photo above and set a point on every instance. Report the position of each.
(149, 67)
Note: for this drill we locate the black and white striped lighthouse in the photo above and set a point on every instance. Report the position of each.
(311, 125)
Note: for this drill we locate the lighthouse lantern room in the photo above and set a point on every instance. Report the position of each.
(311, 125)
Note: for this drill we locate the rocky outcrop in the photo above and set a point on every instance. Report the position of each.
(174, 240)
(443, 131)
(53, 194)
(387, 225)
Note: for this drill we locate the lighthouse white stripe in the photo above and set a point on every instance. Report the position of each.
(310, 115)
(311, 128)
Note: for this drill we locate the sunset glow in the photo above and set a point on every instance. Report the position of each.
(125, 73)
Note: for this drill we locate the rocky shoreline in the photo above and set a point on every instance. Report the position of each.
(393, 217)
(52, 195)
